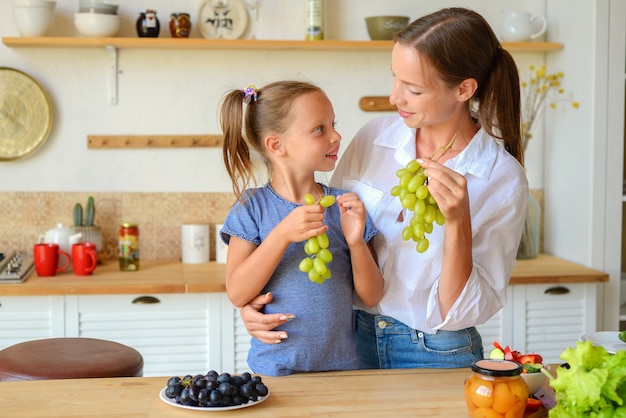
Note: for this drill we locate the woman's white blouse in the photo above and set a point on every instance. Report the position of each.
(498, 193)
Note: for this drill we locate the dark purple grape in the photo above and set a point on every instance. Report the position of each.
(203, 395)
(184, 397)
(245, 376)
(224, 378)
(172, 391)
(193, 393)
(226, 388)
(215, 397)
(261, 389)
(236, 380)
(211, 384)
(173, 380)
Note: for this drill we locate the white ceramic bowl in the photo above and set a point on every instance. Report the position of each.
(33, 17)
(103, 6)
(535, 381)
(97, 24)
(94, 6)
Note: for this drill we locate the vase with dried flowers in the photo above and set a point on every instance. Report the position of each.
(537, 92)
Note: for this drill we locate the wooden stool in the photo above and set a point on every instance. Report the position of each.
(68, 358)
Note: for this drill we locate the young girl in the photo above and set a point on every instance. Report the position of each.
(291, 125)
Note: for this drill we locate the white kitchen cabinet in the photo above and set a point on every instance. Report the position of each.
(25, 318)
(176, 334)
(551, 317)
(543, 319)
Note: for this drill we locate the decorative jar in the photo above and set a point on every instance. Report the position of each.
(148, 25)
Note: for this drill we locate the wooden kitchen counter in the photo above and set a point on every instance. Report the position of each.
(362, 393)
(171, 276)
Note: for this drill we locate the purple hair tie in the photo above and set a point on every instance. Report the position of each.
(250, 94)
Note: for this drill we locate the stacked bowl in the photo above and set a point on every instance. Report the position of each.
(33, 17)
(97, 18)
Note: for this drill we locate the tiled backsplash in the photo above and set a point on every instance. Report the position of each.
(26, 215)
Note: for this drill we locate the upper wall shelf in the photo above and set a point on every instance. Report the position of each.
(241, 44)
(111, 45)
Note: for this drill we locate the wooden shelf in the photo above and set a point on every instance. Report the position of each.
(112, 45)
(238, 44)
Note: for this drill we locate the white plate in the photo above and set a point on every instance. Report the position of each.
(212, 408)
(231, 26)
(607, 339)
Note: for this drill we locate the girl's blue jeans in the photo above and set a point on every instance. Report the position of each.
(386, 343)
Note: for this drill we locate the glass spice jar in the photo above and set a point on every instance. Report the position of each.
(128, 249)
(495, 388)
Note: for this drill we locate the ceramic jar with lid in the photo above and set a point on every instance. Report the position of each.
(496, 387)
(148, 25)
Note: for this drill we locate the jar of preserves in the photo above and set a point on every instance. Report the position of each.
(496, 389)
(128, 249)
(147, 24)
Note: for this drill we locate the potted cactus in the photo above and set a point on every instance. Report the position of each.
(85, 224)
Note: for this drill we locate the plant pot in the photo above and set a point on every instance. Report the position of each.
(92, 234)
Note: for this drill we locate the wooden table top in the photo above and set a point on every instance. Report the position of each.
(172, 276)
(359, 393)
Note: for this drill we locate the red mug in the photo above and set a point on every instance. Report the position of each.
(46, 257)
(84, 258)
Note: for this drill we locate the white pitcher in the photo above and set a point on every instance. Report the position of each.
(521, 26)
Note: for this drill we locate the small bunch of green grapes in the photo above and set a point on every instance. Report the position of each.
(414, 196)
(317, 248)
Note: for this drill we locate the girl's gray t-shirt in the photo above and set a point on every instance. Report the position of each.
(321, 337)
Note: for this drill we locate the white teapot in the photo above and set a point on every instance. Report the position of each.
(61, 235)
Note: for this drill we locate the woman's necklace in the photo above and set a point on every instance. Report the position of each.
(443, 149)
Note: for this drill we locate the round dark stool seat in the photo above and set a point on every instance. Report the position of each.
(68, 358)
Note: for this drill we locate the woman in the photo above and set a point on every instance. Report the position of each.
(444, 65)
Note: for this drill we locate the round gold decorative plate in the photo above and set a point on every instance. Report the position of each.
(25, 114)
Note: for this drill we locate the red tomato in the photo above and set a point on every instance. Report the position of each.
(533, 405)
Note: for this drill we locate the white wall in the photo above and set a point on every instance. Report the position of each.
(177, 92)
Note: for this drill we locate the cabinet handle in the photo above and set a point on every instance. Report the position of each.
(556, 290)
(145, 300)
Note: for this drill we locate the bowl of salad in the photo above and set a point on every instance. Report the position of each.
(532, 364)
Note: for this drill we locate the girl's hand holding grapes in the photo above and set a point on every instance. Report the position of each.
(353, 217)
(302, 223)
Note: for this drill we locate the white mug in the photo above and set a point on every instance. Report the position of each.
(195, 243)
(521, 26)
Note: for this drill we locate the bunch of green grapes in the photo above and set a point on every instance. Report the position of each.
(317, 248)
(414, 196)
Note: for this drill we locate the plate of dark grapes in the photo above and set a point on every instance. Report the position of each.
(215, 391)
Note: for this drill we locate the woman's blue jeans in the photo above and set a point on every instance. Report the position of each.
(386, 343)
